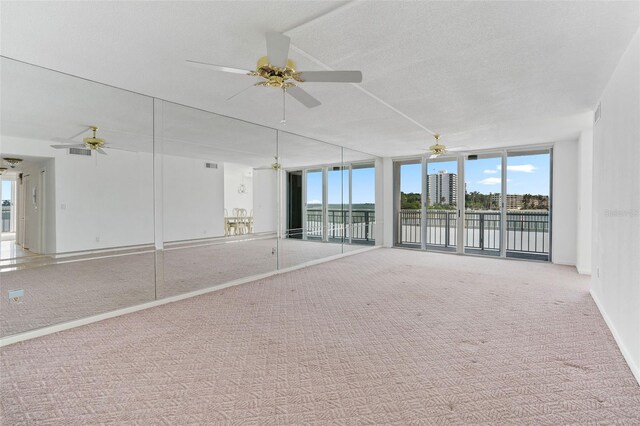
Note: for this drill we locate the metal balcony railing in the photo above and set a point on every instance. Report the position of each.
(6, 218)
(359, 229)
(527, 231)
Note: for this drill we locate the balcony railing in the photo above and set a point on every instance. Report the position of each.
(6, 219)
(527, 231)
(360, 229)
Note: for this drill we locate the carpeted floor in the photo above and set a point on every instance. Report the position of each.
(56, 293)
(385, 337)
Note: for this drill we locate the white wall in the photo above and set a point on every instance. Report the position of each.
(265, 201)
(234, 176)
(193, 199)
(585, 190)
(564, 203)
(103, 201)
(616, 206)
(95, 202)
(107, 201)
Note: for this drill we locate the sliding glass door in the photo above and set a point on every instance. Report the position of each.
(441, 204)
(528, 204)
(409, 203)
(483, 204)
(314, 205)
(488, 204)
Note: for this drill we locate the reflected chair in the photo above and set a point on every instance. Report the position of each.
(242, 220)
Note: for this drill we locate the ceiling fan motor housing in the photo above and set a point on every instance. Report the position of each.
(275, 76)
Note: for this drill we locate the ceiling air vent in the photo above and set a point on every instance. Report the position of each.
(598, 113)
(80, 151)
(211, 165)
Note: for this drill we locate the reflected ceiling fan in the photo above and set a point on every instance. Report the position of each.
(438, 149)
(92, 142)
(277, 70)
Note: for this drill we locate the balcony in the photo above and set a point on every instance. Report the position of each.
(360, 230)
(527, 232)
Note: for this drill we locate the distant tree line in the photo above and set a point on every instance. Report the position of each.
(475, 201)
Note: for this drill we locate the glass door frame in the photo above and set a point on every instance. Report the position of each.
(325, 169)
(461, 158)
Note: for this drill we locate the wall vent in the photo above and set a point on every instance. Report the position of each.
(80, 151)
(211, 165)
(598, 113)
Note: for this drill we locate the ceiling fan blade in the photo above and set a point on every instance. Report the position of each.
(278, 49)
(86, 129)
(64, 140)
(78, 145)
(217, 67)
(330, 76)
(242, 91)
(101, 151)
(119, 148)
(303, 97)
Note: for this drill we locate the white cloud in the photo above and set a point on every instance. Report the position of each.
(490, 171)
(524, 168)
(490, 181)
(314, 202)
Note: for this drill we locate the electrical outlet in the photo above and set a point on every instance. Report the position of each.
(16, 296)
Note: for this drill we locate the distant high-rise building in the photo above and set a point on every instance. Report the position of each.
(442, 188)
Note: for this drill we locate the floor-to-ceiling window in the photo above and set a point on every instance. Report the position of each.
(528, 204)
(441, 204)
(409, 203)
(489, 203)
(482, 204)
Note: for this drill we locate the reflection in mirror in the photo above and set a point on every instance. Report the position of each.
(76, 234)
(219, 198)
(360, 190)
(311, 190)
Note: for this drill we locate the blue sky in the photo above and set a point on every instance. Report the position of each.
(363, 186)
(6, 190)
(527, 174)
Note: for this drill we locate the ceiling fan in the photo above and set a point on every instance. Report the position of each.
(93, 142)
(438, 149)
(277, 70)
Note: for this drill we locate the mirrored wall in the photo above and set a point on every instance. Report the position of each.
(111, 199)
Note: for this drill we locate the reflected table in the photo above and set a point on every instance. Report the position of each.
(238, 224)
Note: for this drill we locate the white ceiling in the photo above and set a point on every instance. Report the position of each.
(482, 73)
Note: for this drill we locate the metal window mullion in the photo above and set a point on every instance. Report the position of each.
(325, 204)
(460, 195)
(503, 207)
(304, 205)
(423, 209)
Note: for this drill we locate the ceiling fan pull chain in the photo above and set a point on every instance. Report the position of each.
(284, 113)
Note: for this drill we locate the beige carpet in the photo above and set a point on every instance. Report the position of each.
(67, 291)
(385, 337)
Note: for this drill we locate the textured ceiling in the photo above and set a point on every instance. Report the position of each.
(484, 74)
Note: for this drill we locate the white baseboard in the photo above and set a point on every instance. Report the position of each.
(582, 271)
(566, 262)
(32, 334)
(635, 369)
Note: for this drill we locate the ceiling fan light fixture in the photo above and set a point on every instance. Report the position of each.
(12, 162)
(93, 142)
(437, 149)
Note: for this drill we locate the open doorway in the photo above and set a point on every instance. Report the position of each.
(24, 209)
